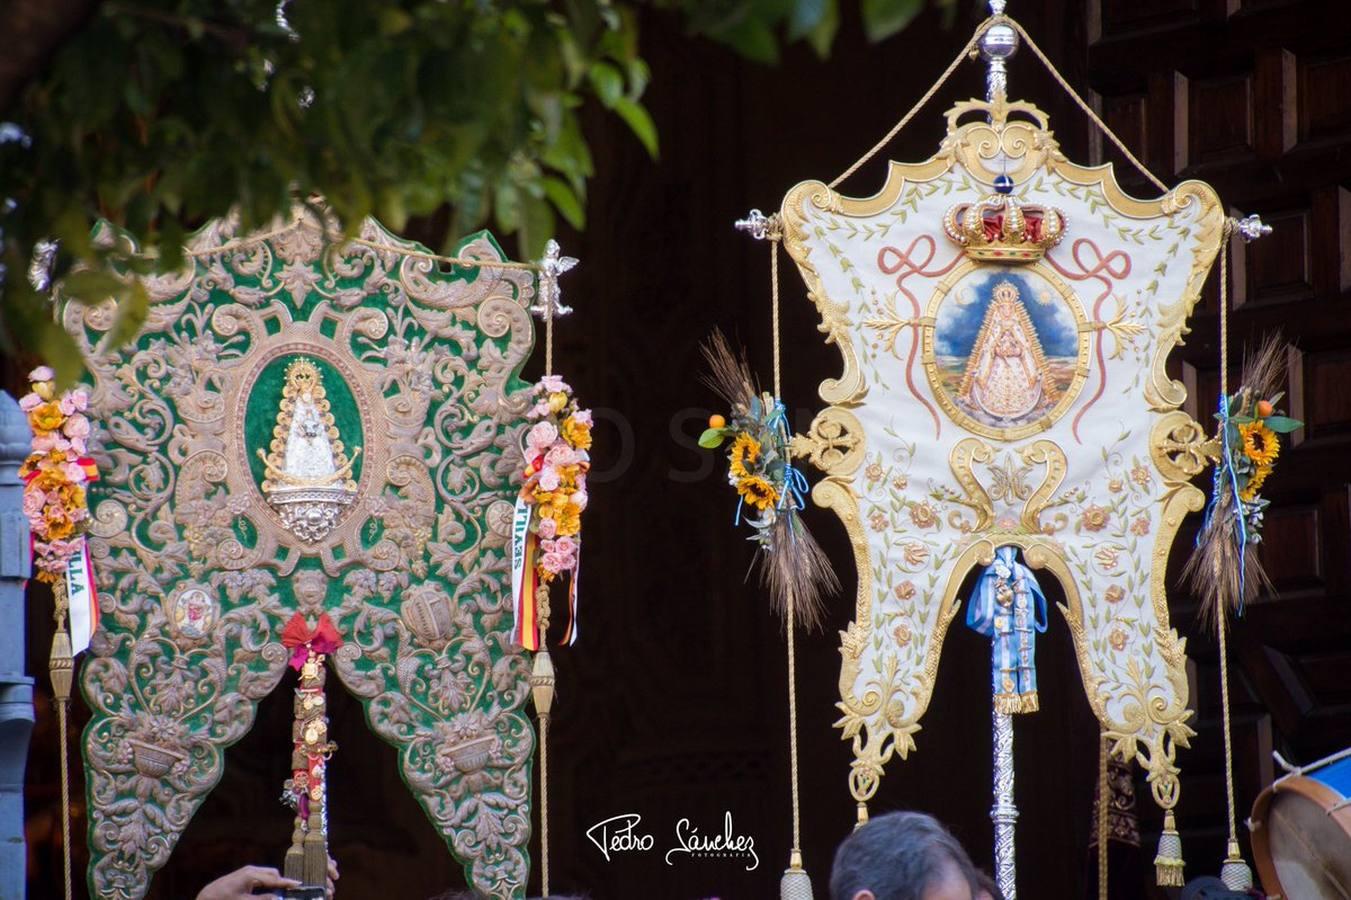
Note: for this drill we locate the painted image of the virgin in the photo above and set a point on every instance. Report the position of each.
(1006, 363)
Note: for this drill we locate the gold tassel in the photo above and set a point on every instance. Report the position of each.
(795, 884)
(1168, 864)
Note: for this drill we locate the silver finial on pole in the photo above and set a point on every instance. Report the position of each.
(554, 263)
(756, 224)
(997, 46)
(1251, 227)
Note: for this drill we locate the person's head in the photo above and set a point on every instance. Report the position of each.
(902, 856)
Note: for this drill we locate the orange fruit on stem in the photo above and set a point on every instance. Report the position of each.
(1264, 408)
(716, 421)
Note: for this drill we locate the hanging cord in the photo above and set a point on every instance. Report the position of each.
(1224, 613)
(968, 51)
(792, 612)
(61, 667)
(549, 336)
(544, 804)
(62, 705)
(1083, 105)
(964, 53)
(1104, 796)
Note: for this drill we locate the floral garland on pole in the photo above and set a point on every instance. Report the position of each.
(57, 475)
(546, 532)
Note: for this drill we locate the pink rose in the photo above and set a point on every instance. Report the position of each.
(549, 479)
(552, 384)
(79, 445)
(74, 472)
(554, 562)
(547, 527)
(77, 426)
(41, 373)
(565, 546)
(73, 402)
(539, 410)
(560, 454)
(541, 436)
(30, 401)
(580, 498)
(33, 500)
(583, 417)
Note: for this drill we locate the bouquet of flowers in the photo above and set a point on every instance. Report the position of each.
(547, 535)
(770, 489)
(1225, 571)
(56, 473)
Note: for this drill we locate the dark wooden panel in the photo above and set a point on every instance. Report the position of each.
(1327, 393)
(1290, 548)
(1328, 676)
(1123, 16)
(1220, 121)
(1275, 97)
(1325, 98)
(1127, 116)
(1278, 267)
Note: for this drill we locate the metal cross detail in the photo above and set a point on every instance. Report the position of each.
(550, 294)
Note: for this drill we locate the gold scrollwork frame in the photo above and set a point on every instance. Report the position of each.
(1178, 448)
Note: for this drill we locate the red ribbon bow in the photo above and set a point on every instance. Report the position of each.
(301, 639)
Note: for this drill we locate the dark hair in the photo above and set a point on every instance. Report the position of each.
(897, 856)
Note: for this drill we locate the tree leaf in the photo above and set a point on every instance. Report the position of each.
(883, 18)
(131, 315)
(607, 82)
(823, 35)
(640, 123)
(565, 201)
(805, 16)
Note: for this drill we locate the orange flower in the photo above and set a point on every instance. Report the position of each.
(902, 634)
(576, 433)
(59, 525)
(569, 519)
(46, 417)
(1115, 593)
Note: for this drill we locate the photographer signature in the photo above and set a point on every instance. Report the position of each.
(620, 834)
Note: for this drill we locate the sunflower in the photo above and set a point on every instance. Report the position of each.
(1249, 491)
(1260, 443)
(745, 449)
(758, 492)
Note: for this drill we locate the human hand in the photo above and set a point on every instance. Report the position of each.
(241, 883)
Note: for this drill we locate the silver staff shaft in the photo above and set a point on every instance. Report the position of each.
(1004, 813)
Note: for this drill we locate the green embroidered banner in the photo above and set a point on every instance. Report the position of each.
(314, 426)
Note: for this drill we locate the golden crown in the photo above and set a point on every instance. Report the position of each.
(999, 229)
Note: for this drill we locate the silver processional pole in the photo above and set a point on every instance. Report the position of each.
(997, 45)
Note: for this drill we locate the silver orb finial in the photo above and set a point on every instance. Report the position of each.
(997, 46)
(997, 7)
(1251, 227)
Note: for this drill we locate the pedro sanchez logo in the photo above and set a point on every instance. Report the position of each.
(621, 834)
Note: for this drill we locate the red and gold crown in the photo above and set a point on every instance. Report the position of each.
(999, 229)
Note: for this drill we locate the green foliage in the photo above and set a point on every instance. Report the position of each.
(161, 114)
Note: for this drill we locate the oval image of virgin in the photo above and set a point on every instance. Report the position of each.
(1006, 347)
